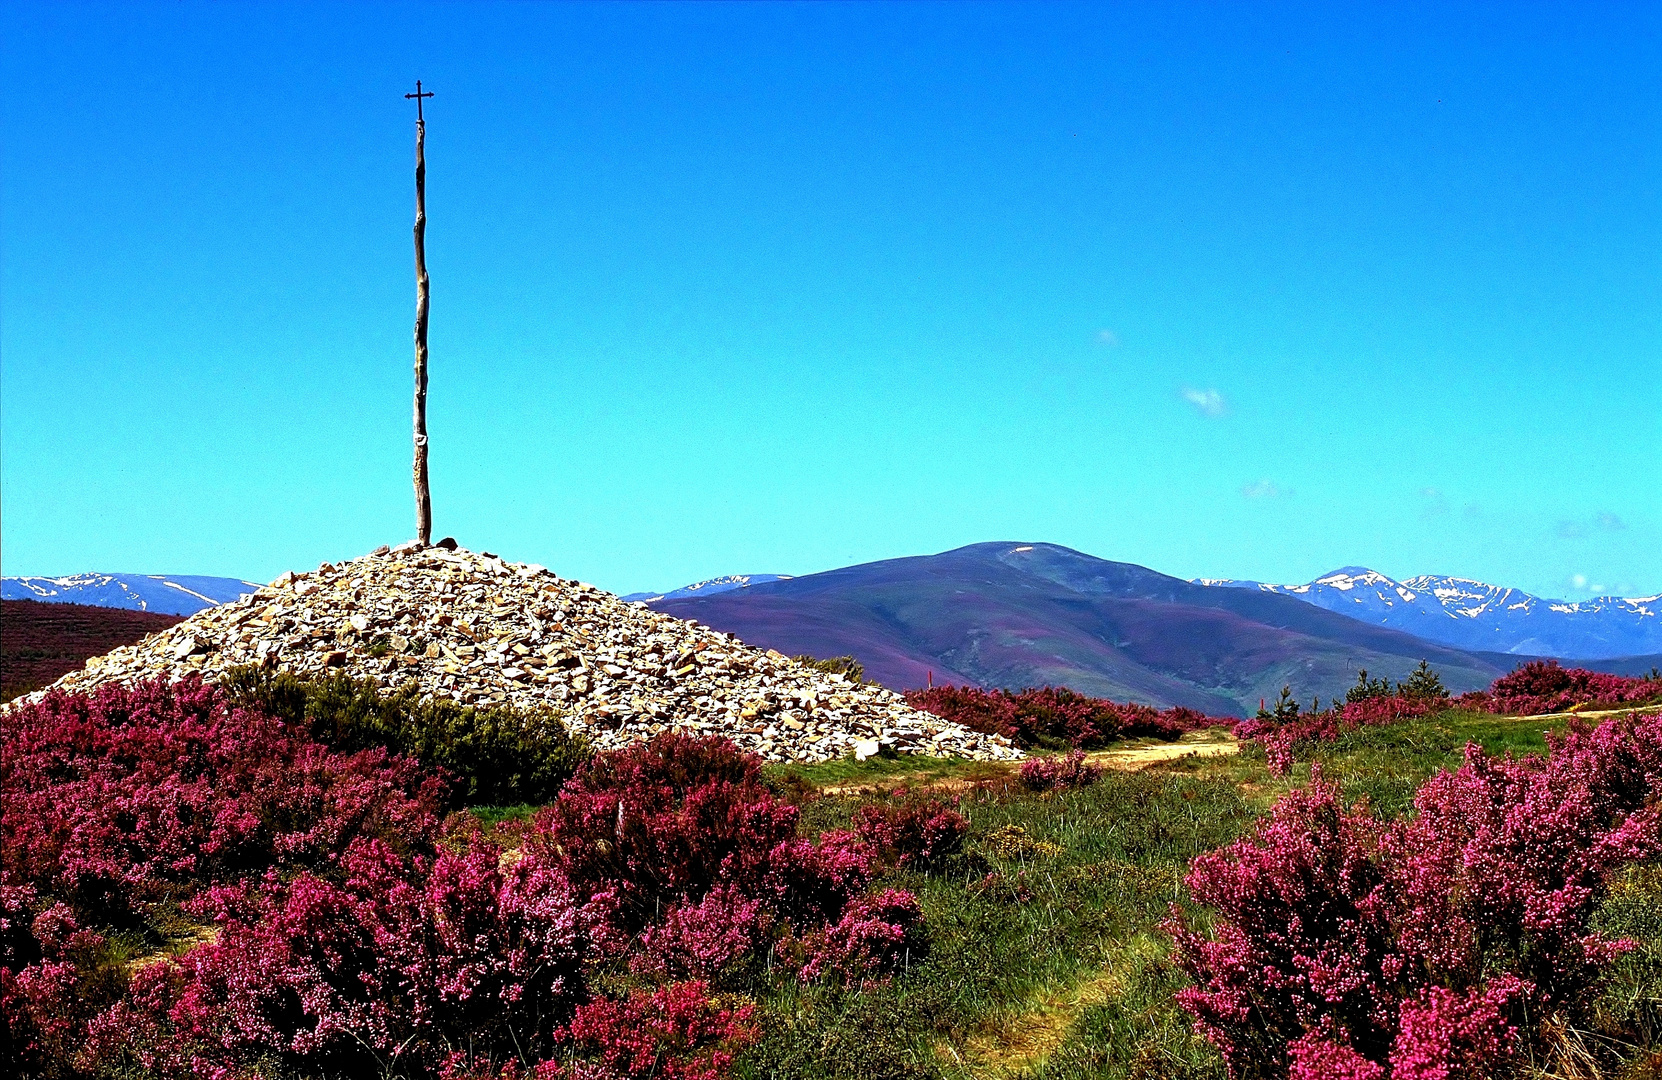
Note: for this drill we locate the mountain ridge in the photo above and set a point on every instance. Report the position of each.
(1475, 615)
(166, 594)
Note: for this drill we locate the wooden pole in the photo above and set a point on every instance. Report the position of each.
(423, 497)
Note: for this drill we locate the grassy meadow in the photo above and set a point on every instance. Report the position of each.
(1045, 954)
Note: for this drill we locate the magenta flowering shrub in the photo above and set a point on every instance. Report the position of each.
(912, 832)
(1438, 946)
(124, 804)
(658, 825)
(673, 1033)
(1280, 736)
(1056, 774)
(875, 935)
(1541, 686)
(708, 940)
(389, 968)
(123, 798)
(1055, 715)
(300, 911)
(685, 851)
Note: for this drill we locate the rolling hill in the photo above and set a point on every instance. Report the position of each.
(1021, 614)
(44, 641)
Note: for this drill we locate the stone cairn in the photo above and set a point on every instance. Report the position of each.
(485, 632)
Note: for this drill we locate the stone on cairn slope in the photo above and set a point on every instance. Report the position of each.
(484, 632)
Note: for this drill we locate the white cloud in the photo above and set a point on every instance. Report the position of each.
(1571, 530)
(1209, 402)
(1264, 489)
(1581, 583)
(1108, 338)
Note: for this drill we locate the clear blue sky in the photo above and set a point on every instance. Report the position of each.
(1225, 290)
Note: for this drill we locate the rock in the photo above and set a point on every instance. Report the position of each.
(480, 631)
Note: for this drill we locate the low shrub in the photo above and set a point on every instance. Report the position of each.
(1282, 729)
(496, 756)
(1053, 774)
(912, 832)
(191, 887)
(846, 666)
(1449, 944)
(128, 798)
(672, 1033)
(382, 972)
(1541, 686)
(659, 825)
(1056, 717)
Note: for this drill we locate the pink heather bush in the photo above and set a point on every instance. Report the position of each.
(912, 833)
(126, 797)
(1280, 736)
(673, 1033)
(1055, 715)
(404, 958)
(1541, 686)
(658, 825)
(1055, 774)
(1437, 946)
(707, 940)
(342, 934)
(875, 936)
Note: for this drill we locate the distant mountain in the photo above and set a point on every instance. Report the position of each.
(1473, 615)
(163, 593)
(710, 587)
(1017, 614)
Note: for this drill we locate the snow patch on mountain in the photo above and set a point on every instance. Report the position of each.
(167, 594)
(709, 587)
(1473, 614)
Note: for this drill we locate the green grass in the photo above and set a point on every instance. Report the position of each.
(1046, 957)
(1100, 868)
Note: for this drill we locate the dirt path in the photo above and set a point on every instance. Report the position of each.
(1589, 713)
(1133, 758)
(1122, 759)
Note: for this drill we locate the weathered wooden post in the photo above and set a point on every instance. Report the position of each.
(424, 498)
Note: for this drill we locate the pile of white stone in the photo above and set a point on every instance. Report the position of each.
(485, 632)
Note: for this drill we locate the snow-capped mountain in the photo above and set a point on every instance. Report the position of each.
(164, 593)
(710, 587)
(1475, 615)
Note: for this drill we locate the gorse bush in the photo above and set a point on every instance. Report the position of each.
(494, 756)
(1446, 945)
(846, 666)
(1056, 717)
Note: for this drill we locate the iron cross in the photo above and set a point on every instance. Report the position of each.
(418, 95)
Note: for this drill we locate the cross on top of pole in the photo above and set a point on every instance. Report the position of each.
(418, 95)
